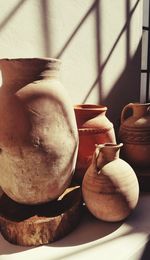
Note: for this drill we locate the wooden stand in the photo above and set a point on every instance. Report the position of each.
(40, 224)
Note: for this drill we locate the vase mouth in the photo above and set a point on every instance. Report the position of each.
(109, 145)
(48, 59)
(140, 104)
(90, 107)
(34, 63)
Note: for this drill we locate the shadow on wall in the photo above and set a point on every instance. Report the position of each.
(120, 93)
(127, 87)
(45, 8)
(46, 26)
(121, 87)
(114, 102)
(11, 14)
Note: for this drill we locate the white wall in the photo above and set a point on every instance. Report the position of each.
(98, 42)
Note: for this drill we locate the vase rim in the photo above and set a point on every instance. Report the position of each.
(90, 107)
(109, 145)
(32, 58)
(140, 104)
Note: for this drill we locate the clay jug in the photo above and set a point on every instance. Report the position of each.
(110, 187)
(38, 132)
(93, 127)
(134, 132)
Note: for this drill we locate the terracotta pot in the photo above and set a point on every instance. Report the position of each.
(38, 132)
(93, 127)
(134, 132)
(110, 187)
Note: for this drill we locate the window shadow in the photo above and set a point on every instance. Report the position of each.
(11, 14)
(146, 253)
(129, 227)
(121, 89)
(91, 229)
(80, 24)
(46, 26)
(118, 89)
(126, 28)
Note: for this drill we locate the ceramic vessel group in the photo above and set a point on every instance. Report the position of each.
(46, 142)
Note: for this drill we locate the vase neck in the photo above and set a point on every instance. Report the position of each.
(107, 153)
(16, 73)
(87, 112)
(51, 69)
(140, 110)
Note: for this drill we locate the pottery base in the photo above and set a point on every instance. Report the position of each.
(40, 224)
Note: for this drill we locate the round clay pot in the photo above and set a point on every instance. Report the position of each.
(110, 187)
(93, 127)
(38, 132)
(134, 132)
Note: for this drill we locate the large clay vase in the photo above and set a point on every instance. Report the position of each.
(93, 127)
(38, 132)
(110, 187)
(135, 134)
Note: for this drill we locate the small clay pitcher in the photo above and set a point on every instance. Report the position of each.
(93, 127)
(134, 132)
(110, 187)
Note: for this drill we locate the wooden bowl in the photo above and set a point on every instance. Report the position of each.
(28, 225)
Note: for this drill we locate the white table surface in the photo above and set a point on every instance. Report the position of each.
(94, 239)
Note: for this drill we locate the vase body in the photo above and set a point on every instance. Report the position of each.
(93, 127)
(110, 187)
(38, 132)
(134, 132)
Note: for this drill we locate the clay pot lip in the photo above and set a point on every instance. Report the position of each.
(109, 145)
(90, 107)
(34, 63)
(140, 104)
(48, 59)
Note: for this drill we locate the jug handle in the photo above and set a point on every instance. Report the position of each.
(95, 156)
(125, 112)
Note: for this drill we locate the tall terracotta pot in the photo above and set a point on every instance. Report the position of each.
(134, 132)
(110, 187)
(38, 132)
(93, 127)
